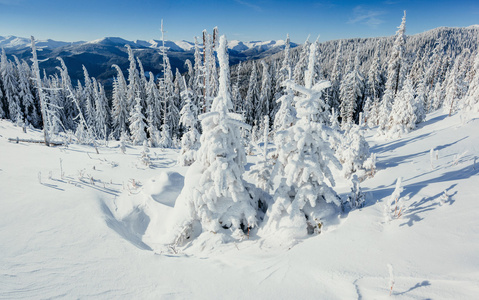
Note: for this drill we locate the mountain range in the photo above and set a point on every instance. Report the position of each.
(99, 55)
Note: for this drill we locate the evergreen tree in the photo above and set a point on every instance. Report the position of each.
(403, 116)
(351, 94)
(374, 83)
(137, 123)
(10, 86)
(102, 113)
(217, 197)
(26, 93)
(120, 106)
(395, 74)
(336, 78)
(133, 80)
(286, 115)
(301, 65)
(303, 158)
(421, 102)
(266, 93)
(190, 139)
(471, 101)
(68, 114)
(252, 103)
(235, 93)
(397, 60)
(88, 99)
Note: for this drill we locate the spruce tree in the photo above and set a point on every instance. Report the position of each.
(217, 199)
(120, 106)
(137, 123)
(303, 159)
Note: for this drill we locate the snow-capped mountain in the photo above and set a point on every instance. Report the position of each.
(18, 43)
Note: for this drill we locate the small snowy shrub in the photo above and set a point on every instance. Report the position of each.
(356, 198)
(395, 205)
(391, 279)
(370, 164)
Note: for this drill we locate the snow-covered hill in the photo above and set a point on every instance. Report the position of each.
(77, 224)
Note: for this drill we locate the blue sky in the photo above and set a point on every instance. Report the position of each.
(244, 20)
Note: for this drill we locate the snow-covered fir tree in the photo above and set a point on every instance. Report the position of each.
(137, 123)
(303, 158)
(265, 98)
(102, 113)
(353, 151)
(252, 105)
(190, 139)
(403, 115)
(351, 94)
(120, 105)
(471, 101)
(286, 115)
(217, 200)
(395, 74)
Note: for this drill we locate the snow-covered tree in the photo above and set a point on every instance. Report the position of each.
(335, 78)
(302, 64)
(421, 102)
(216, 198)
(286, 115)
(471, 101)
(88, 99)
(262, 170)
(10, 86)
(190, 139)
(266, 92)
(41, 95)
(303, 162)
(353, 150)
(403, 116)
(133, 80)
(397, 60)
(395, 74)
(102, 113)
(69, 109)
(137, 123)
(235, 93)
(252, 105)
(351, 94)
(120, 105)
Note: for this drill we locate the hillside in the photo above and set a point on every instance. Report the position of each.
(78, 224)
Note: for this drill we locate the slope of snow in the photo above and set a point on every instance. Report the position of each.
(92, 231)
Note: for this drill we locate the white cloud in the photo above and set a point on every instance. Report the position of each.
(366, 16)
(250, 5)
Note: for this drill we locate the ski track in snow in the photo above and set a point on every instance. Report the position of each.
(86, 233)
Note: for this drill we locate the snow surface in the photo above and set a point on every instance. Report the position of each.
(95, 230)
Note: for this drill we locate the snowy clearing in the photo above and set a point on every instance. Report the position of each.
(76, 224)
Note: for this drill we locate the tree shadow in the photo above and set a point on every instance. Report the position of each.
(418, 285)
(383, 148)
(426, 204)
(131, 228)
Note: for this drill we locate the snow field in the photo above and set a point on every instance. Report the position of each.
(97, 230)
